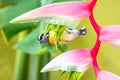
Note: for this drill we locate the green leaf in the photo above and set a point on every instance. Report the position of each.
(62, 47)
(29, 44)
(70, 76)
(17, 8)
(75, 75)
(11, 29)
(49, 47)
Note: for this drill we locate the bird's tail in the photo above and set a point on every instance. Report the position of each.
(83, 31)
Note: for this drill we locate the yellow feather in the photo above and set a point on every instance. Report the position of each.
(63, 37)
(51, 37)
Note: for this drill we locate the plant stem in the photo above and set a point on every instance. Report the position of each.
(94, 53)
(94, 24)
(97, 28)
(38, 63)
(45, 59)
(91, 17)
(22, 61)
(92, 4)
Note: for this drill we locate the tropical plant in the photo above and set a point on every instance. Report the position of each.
(58, 19)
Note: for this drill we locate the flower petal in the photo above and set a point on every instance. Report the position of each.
(75, 60)
(111, 35)
(62, 13)
(104, 75)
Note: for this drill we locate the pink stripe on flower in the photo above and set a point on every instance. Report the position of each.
(75, 60)
(63, 13)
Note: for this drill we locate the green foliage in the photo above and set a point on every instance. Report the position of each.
(62, 47)
(10, 9)
(29, 44)
(45, 2)
(75, 75)
(12, 29)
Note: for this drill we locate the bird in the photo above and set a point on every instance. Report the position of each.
(67, 36)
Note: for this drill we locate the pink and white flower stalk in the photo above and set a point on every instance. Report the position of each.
(75, 60)
(65, 13)
(110, 35)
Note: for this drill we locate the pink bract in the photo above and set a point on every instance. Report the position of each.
(76, 60)
(57, 13)
(111, 35)
(104, 75)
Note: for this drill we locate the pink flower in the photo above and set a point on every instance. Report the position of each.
(66, 13)
(104, 75)
(111, 35)
(58, 13)
(75, 60)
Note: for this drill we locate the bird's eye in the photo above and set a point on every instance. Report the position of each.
(40, 37)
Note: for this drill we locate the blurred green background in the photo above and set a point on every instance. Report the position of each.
(107, 12)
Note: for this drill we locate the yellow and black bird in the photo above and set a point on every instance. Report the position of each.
(66, 36)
